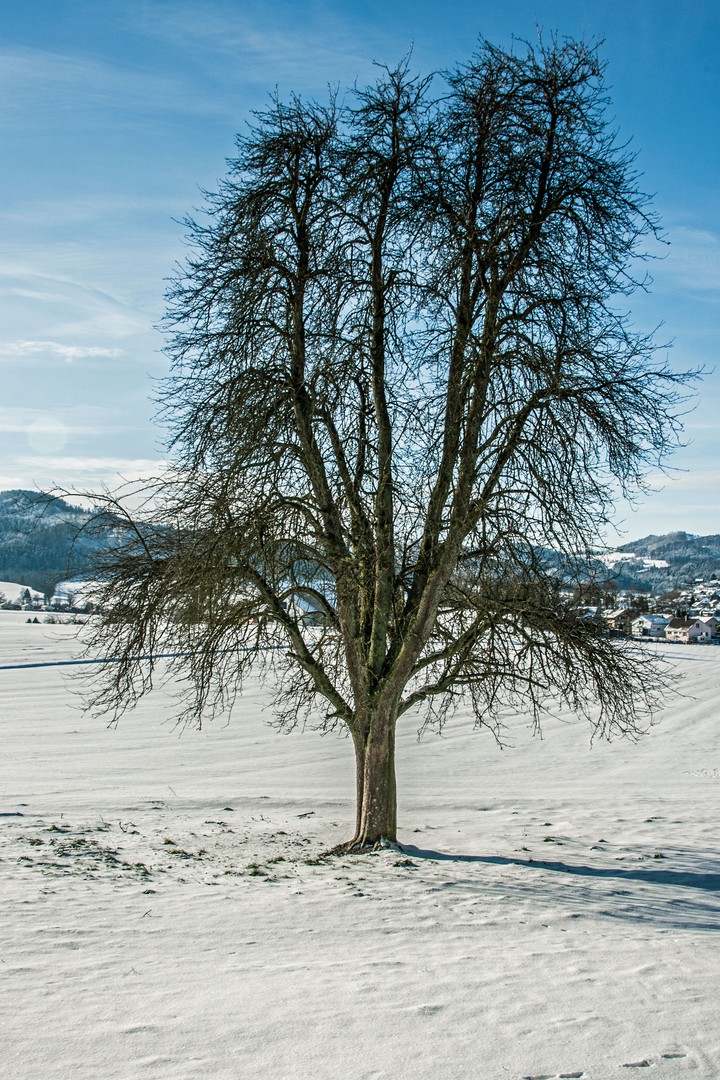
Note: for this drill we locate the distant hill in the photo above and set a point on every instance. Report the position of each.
(41, 543)
(676, 545)
(40, 540)
(688, 558)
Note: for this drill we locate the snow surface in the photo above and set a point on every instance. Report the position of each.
(164, 912)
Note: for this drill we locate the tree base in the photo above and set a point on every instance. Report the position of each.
(367, 847)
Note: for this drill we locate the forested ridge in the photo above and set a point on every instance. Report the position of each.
(41, 540)
(688, 558)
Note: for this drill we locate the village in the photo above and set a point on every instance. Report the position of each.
(686, 616)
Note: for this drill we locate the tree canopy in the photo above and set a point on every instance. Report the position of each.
(404, 395)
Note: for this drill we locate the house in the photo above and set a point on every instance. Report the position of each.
(688, 631)
(714, 623)
(652, 626)
(618, 620)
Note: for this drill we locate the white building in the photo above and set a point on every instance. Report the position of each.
(649, 626)
(688, 630)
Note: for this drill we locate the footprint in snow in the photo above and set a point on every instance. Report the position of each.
(556, 1076)
(648, 1063)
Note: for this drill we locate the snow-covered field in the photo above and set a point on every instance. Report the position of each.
(164, 912)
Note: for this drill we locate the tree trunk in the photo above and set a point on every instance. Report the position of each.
(376, 792)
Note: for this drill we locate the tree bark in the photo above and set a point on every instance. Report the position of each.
(376, 790)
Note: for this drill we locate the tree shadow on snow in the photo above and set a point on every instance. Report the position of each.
(669, 897)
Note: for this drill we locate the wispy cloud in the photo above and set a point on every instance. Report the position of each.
(72, 312)
(117, 466)
(133, 211)
(693, 260)
(66, 352)
(82, 420)
(306, 45)
(706, 481)
(48, 472)
(35, 82)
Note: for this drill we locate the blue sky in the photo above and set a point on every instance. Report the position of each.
(114, 114)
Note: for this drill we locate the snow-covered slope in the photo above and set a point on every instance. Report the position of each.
(165, 914)
(13, 590)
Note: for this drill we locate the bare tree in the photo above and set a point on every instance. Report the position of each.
(402, 382)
